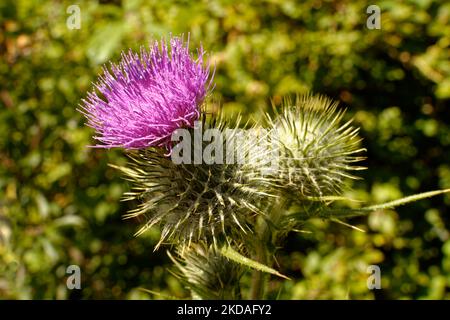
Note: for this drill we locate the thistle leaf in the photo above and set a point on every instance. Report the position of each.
(331, 199)
(158, 294)
(408, 199)
(347, 225)
(347, 213)
(235, 256)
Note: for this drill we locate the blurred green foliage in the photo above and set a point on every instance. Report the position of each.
(59, 201)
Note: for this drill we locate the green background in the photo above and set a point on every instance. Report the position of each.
(60, 202)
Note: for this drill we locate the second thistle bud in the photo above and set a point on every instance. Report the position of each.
(207, 273)
(317, 151)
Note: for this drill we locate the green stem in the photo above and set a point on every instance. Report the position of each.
(260, 255)
(261, 251)
(258, 277)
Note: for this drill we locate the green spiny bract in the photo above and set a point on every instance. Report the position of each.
(214, 203)
(316, 151)
(207, 273)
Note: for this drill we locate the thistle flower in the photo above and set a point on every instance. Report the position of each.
(214, 203)
(141, 101)
(207, 273)
(317, 153)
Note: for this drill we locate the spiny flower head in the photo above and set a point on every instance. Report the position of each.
(142, 100)
(317, 151)
(214, 203)
(207, 273)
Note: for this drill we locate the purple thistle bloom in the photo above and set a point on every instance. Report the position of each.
(146, 97)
